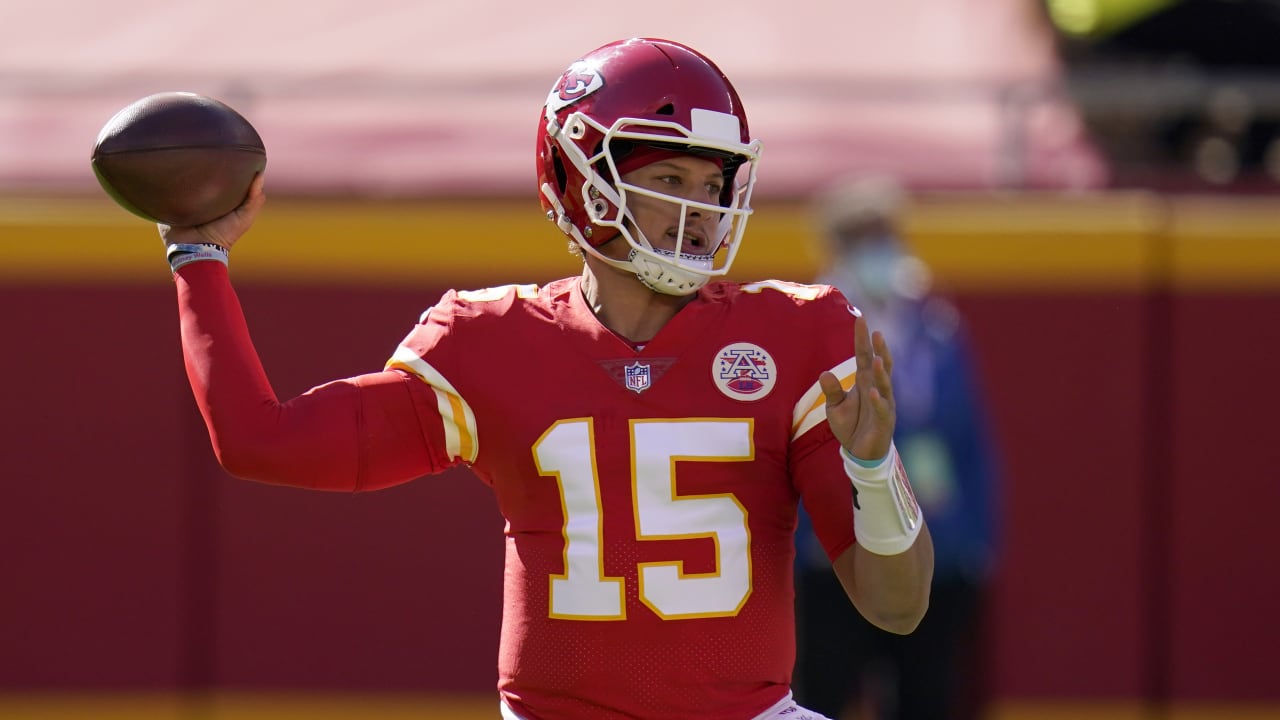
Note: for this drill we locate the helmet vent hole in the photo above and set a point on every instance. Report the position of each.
(667, 109)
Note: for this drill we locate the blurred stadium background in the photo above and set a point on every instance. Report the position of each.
(1095, 186)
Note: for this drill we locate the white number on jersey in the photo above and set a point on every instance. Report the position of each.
(567, 452)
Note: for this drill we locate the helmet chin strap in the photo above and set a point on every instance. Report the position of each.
(667, 272)
(668, 276)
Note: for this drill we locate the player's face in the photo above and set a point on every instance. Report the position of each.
(686, 177)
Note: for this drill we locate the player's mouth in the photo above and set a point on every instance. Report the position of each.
(694, 243)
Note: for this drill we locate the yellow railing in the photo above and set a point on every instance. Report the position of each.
(981, 242)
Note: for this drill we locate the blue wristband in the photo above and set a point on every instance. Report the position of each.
(863, 463)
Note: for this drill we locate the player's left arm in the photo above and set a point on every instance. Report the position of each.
(888, 571)
(890, 591)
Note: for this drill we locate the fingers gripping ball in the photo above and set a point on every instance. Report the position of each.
(178, 158)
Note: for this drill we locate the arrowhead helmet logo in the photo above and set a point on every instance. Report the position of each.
(579, 81)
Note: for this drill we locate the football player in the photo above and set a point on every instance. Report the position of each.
(650, 477)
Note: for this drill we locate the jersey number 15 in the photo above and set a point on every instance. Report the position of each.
(567, 452)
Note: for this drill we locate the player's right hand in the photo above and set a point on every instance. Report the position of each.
(863, 419)
(224, 231)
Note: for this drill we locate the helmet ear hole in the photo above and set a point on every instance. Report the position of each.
(557, 165)
(667, 109)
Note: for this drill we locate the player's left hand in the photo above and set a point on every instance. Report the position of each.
(863, 418)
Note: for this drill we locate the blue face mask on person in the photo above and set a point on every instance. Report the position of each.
(880, 270)
(869, 268)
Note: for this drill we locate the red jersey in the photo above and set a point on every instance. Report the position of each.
(649, 493)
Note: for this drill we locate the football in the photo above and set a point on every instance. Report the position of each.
(178, 158)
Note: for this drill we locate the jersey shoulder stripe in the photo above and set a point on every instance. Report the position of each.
(812, 406)
(459, 420)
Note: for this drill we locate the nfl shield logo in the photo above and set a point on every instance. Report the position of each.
(637, 376)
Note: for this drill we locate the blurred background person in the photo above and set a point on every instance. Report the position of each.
(846, 667)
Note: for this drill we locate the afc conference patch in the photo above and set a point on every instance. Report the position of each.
(744, 371)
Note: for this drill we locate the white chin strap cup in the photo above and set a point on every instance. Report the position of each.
(670, 276)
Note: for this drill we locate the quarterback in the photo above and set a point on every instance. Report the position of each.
(647, 427)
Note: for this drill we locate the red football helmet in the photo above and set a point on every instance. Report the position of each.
(635, 96)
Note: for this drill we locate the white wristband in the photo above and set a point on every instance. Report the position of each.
(886, 516)
(182, 254)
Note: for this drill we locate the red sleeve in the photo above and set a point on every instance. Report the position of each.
(825, 490)
(816, 465)
(360, 433)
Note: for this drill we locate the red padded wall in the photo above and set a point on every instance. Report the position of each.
(131, 561)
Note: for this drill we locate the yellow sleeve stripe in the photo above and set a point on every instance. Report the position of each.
(812, 407)
(459, 420)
